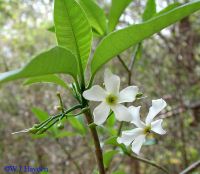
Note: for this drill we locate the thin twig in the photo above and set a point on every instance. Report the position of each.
(191, 168)
(123, 63)
(147, 162)
(129, 71)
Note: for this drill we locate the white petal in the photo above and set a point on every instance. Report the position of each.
(135, 113)
(137, 144)
(156, 126)
(112, 82)
(157, 106)
(128, 136)
(101, 113)
(122, 113)
(128, 94)
(96, 93)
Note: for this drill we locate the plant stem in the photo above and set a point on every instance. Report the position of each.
(57, 117)
(191, 168)
(147, 162)
(137, 47)
(123, 63)
(98, 151)
(61, 102)
(120, 128)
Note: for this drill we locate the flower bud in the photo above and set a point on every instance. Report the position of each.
(60, 125)
(58, 108)
(33, 130)
(36, 125)
(139, 95)
(58, 94)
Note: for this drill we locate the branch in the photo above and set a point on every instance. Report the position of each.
(95, 137)
(147, 162)
(191, 167)
(123, 63)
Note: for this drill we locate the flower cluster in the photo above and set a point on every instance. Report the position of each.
(111, 98)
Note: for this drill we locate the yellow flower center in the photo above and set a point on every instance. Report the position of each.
(147, 130)
(111, 99)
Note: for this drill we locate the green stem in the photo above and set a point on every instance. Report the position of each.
(137, 48)
(120, 128)
(59, 116)
(77, 85)
(61, 102)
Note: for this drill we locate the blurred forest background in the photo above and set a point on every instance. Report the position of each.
(167, 65)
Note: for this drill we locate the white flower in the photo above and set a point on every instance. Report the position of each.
(111, 98)
(136, 136)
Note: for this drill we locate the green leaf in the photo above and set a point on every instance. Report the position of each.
(77, 124)
(117, 42)
(51, 29)
(56, 60)
(111, 141)
(119, 172)
(44, 172)
(150, 10)
(168, 8)
(110, 125)
(73, 30)
(108, 156)
(95, 14)
(46, 79)
(40, 114)
(117, 8)
(110, 122)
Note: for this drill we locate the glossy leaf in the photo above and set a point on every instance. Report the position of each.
(56, 60)
(95, 14)
(46, 79)
(116, 10)
(150, 10)
(73, 30)
(117, 42)
(168, 8)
